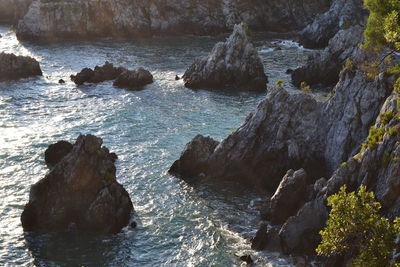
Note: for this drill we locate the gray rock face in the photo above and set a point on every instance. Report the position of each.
(85, 19)
(13, 10)
(234, 63)
(14, 67)
(134, 79)
(80, 193)
(289, 196)
(341, 15)
(323, 67)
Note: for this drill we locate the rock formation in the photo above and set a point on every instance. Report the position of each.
(13, 10)
(103, 73)
(133, 79)
(80, 193)
(14, 67)
(56, 152)
(234, 63)
(85, 19)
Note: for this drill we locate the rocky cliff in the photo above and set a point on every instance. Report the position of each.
(85, 19)
(13, 10)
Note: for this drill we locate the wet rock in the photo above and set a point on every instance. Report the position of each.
(177, 78)
(289, 197)
(56, 152)
(100, 74)
(247, 259)
(194, 157)
(267, 239)
(14, 67)
(80, 191)
(233, 63)
(61, 81)
(134, 79)
(342, 15)
(85, 19)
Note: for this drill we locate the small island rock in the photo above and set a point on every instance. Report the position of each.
(14, 67)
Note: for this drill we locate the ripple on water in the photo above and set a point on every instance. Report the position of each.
(178, 224)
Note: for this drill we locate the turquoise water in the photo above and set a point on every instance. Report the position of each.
(178, 224)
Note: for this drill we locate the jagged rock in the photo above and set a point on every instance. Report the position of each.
(85, 19)
(234, 63)
(289, 197)
(100, 74)
(194, 157)
(14, 67)
(13, 10)
(81, 193)
(61, 81)
(56, 152)
(134, 79)
(247, 259)
(341, 15)
(267, 239)
(323, 67)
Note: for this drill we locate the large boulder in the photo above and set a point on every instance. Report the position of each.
(86, 19)
(233, 63)
(56, 152)
(342, 15)
(14, 67)
(134, 79)
(100, 74)
(80, 194)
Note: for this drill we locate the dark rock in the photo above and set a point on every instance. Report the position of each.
(247, 259)
(234, 63)
(177, 78)
(194, 157)
(61, 81)
(134, 79)
(289, 71)
(14, 67)
(103, 73)
(80, 193)
(56, 152)
(341, 15)
(267, 239)
(83, 19)
(289, 197)
(13, 10)
(133, 225)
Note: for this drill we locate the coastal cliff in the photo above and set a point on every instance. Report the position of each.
(48, 20)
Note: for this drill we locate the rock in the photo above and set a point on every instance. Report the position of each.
(87, 19)
(14, 67)
(177, 78)
(56, 152)
(323, 67)
(13, 10)
(79, 193)
(134, 79)
(342, 15)
(234, 63)
(247, 259)
(61, 81)
(194, 157)
(289, 197)
(267, 239)
(100, 74)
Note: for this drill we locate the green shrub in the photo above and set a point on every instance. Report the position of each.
(305, 88)
(375, 136)
(355, 227)
(279, 82)
(387, 116)
(392, 131)
(348, 65)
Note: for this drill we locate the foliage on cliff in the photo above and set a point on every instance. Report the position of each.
(355, 226)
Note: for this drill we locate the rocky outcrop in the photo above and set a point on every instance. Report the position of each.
(56, 152)
(100, 74)
(134, 79)
(323, 67)
(80, 193)
(85, 19)
(233, 63)
(13, 10)
(342, 15)
(14, 67)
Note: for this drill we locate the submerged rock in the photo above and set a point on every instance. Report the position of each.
(81, 193)
(14, 67)
(100, 74)
(56, 152)
(86, 19)
(134, 79)
(234, 63)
